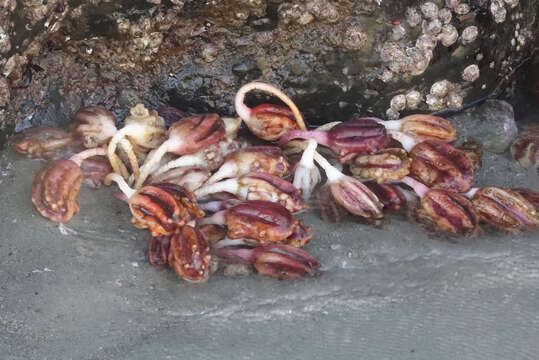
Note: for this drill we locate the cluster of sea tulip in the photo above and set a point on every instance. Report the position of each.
(203, 193)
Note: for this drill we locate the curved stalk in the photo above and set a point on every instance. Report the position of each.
(128, 148)
(151, 161)
(406, 141)
(321, 137)
(230, 186)
(116, 139)
(233, 242)
(228, 169)
(120, 181)
(123, 170)
(79, 158)
(245, 112)
(333, 174)
(307, 175)
(216, 219)
(185, 160)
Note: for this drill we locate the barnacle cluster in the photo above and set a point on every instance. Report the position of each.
(203, 193)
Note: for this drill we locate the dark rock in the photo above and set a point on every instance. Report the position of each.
(329, 56)
(492, 124)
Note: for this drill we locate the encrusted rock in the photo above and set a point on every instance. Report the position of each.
(392, 114)
(323, 10)
(498, 11)
(435, 103)
(433, 27)
(449, 35)
(440, 88)
(454, 100)
(354, 37)
(294, 13)
(8, 5)
(469, 34)
(413, 17)
(393, 54)
(413, 99)
(419, 60)
(398, 32)
(492, 124)
(209, 53)
(5, 41)
(386, 75)
(429, 10)
(188, 54)
(452, 4)
(398, 102)
(462, 9)
(425, 42)
(445, 15)
(4, 92)
(512, 3)
(470, 73)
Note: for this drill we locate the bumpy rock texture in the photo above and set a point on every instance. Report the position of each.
(333, 57)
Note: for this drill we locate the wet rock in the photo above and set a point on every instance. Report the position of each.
(454, 100)
(355, 37)
(4, 92)
(462, 9)
(392, 114)
(498, 11)
(470, 73)
(413, 17)
(435, 103)
(323, 10)
(429, 10)
(449, 35)
(491, 124)
(433, 27)
(469, 34)
(413, 99)
(5, 41)
(445, 15)
(398, 32)
(440, 88)
(196, 54)
(398, 102)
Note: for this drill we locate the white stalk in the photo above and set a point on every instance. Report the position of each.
(216, 219)
(80, 157)
(120, 181)
(130, 129)
(391, 124)
(228, 169)
(185, 160)
(472, 192)
(151, 161)
(407, 141)
(230, 186)
(332, 173)
(307, 175)
(233, 242)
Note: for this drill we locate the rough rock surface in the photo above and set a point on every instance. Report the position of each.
(492, 124)
(333, 57)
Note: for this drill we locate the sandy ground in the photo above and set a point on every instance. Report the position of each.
(85, 290)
